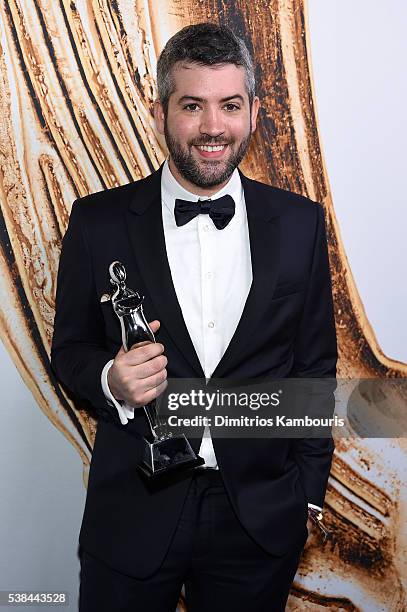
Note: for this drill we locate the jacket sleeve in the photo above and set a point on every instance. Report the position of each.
(315, 356)
(78, 350)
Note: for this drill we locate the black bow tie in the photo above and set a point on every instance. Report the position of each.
(220, 211)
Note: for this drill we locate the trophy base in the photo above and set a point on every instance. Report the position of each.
(166, 456)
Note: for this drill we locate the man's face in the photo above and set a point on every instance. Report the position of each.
(208, 124)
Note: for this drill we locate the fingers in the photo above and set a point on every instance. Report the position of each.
(150, 368)
(152, 394)
(140, 392)
(140, 354)
(139, 376)
(154, 381)
(135, 391)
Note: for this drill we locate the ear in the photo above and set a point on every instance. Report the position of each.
(159, 117)
(254, 112)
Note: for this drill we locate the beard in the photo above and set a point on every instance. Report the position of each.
(205, 173)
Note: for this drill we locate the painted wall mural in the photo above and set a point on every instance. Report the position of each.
(76, 92)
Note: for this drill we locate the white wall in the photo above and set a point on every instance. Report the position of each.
(42, 496)
(359, 51)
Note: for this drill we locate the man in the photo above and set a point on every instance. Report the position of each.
(243, 292)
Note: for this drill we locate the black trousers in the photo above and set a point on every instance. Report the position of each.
(211, 553)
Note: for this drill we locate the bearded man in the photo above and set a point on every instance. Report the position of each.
(236, 280)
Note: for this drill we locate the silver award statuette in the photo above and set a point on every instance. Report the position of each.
(166, 452)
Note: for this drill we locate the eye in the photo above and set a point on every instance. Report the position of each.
(192, 106)
(230, 107)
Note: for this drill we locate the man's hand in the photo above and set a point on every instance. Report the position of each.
(139, 376)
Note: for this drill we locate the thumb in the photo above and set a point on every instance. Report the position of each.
(155, 325)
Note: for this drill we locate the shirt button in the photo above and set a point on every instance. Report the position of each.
(211, 324)
(206, 228)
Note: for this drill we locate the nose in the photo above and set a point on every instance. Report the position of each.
(212, 122)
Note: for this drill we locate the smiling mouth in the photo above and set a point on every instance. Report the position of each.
(211, 151)
(211, 148)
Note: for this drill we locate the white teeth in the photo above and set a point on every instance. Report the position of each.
(210, 149)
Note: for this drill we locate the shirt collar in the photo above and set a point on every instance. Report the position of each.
(172, 190)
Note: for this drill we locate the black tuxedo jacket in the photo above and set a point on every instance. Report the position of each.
(286, 330)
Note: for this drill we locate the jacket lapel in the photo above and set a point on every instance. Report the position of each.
(146, 232)
(264, 235)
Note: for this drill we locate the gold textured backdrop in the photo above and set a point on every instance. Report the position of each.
(76, 93)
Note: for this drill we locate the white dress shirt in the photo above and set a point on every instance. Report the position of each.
(203, 262)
